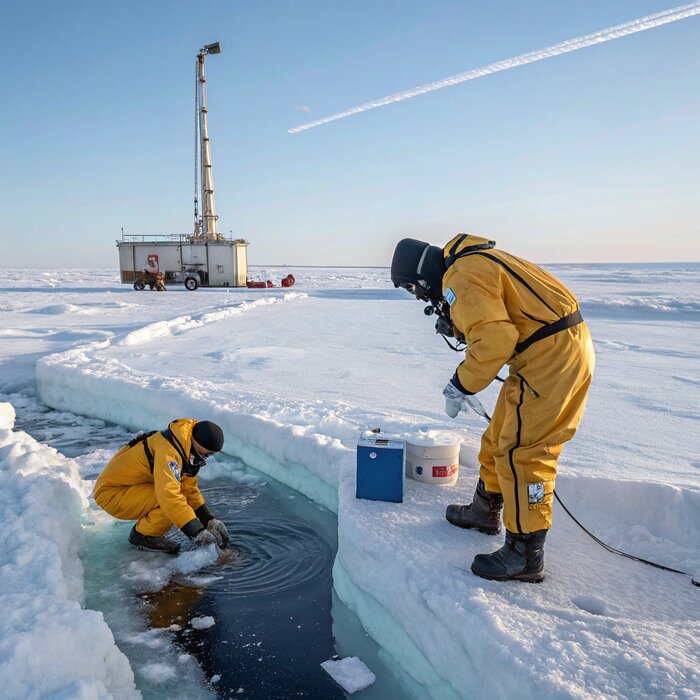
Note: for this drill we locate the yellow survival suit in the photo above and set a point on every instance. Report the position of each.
(154, 491)
(513, 312)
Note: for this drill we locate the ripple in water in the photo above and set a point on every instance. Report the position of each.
(269, 556)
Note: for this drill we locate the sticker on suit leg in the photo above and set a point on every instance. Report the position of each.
(535, 494)
(175, 469)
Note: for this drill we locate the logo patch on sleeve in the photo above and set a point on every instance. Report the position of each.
(175, 469)
(535, 493)
(450, 296)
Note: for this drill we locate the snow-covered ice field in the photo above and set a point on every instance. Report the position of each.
(294, 377)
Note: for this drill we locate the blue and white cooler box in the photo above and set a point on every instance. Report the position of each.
(381, 463)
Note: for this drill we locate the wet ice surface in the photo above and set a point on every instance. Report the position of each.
(258, 617)
(253, 621)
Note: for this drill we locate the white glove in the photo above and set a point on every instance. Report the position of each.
(455, 399)
(218, 529)
(204, 538)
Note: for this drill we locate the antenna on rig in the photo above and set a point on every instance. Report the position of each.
(206, 225)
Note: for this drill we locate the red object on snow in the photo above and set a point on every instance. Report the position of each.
(288, 281)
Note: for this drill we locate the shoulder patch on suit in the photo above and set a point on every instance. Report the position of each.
(175, 469)
(450, 296)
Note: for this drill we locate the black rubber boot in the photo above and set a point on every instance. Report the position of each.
(484, 512)
(153, 544)
(520, 559)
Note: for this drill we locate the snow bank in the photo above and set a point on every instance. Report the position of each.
(642, 308)
(598, 626)
(405, 572)
(49, 644)
(181, 324)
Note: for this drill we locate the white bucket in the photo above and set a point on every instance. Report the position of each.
(433, 457)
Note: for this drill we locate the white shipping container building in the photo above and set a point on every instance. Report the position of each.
(213, 263)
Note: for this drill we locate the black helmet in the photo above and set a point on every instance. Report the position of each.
(418, 267)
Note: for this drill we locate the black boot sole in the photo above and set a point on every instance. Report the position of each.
(485, 530)
(525, 578)
(136, 539)
(153, 549)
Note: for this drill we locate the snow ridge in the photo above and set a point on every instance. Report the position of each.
(49, 644)
(181, 324)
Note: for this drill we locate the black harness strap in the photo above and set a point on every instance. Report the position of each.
(453, 255)
(513, 273)
(142, 438)
(149, 456)
(168, 435)
(550, 329)
(188, 469)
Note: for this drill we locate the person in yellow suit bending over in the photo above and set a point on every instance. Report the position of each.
(506, 311)
(153, 480)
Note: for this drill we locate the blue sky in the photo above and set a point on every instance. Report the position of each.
(591, 156)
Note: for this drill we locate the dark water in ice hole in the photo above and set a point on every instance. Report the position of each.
(271, 595)
(271, 602)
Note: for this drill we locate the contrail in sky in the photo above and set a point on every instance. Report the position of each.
(637, 25)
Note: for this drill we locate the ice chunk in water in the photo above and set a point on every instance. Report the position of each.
(7, 416)
(349, 673)
(202, 623)
(159, 672)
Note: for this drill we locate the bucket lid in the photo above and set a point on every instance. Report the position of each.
(433, 438)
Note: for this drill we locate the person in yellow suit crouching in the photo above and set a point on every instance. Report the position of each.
(506, 310)
(153, 480)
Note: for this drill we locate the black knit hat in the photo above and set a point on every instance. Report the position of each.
(415, 261)
(209, 435)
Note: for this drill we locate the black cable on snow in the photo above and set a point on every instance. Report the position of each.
(620, 552)
(612, 549)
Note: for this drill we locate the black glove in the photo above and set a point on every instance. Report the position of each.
(218, 529)
(204, 538)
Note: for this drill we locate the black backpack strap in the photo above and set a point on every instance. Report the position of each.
(168, 435)
(187, 468)
(149, 456)
(142, 438)
(453, 255)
